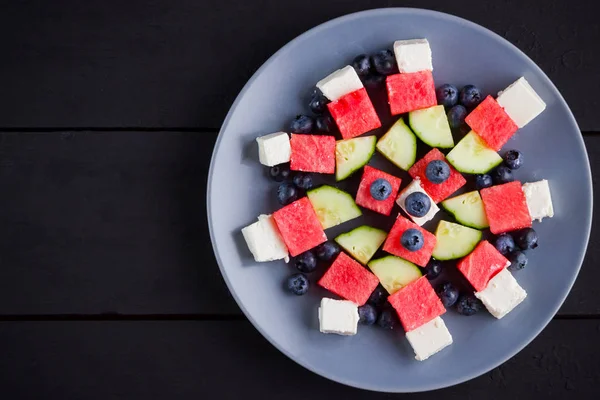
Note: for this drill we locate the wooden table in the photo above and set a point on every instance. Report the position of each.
(108, 114)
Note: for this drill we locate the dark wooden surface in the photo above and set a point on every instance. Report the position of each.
(108, 114)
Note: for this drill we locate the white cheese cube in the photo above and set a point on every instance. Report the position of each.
(413, 55)
(501, 294)
(339, 83)
(415, 186)
(264, 240)
(338, 316)
(521, 102)
(274, 149)
(538, 199)
(429, 338)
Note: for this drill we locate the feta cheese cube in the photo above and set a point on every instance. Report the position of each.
(274, 149)
(264, 240)
(521, 102)
(501, 294)
(339, 83)
(413, 55)
(415, 186)
(538, 199)
(338, 316)
(429, 338)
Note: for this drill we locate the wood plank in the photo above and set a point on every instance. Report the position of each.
(230, 360)
(175, 64)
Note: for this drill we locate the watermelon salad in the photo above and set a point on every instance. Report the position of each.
(459, 205)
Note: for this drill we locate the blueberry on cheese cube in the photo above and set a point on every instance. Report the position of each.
(339, 83)
(264, 240)
(502, 294)
(274, 149)
(414, 187)
(413, 55)
(338, 316)
(521, 102)
(429, 338)
(539, 201)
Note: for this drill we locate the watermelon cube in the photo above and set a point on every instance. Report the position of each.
(416, 304)
(349, 280)
(363, 195)
(410, 92)
(491, 123)
(437, 191)
(354, 114)
(299, 226)
(506, 207)
(312, 153)
(392, 243)
(482, 264)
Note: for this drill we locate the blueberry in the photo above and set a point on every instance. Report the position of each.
(302, 124)
(483, 181)
(324, 124)
(518, 260)
(303, 180)
(448, 294)
(505, 244)
(417, 204)
(456, 116)
(306, 262)
(318, 102)
(502, 174)
(280, 173)
(437, 171)
(513, 159)
(526, 239)
(468, 304)
(287, 193)
(470, 96)
(327, 251)
(387, 319)
(367, 314)
(362, 65)
(373, 80)
(297, 284)
(412, 239)
(379, 296)
(447, 95)
(433, 269)
(380, 189)
(384, 62)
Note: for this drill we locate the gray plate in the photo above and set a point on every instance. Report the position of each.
(238, 191)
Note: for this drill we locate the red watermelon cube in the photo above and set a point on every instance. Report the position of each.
(392, 243)
(491, 123)
(416, 304)
(364, 198)
(349, 280)
(312, 153)
(354, 114)
(410, 92)
(437, 191)
(482, 265)
(299, 226)
(506, 207)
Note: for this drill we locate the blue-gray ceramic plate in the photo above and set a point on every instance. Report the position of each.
(239, 190)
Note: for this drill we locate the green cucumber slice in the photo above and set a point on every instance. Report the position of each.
(468, 210)
(362, 242)
(352, 154)
(399, 145)
(454, 241)
(432, 127)
(394, 272)
(472, 156)
(333, 206)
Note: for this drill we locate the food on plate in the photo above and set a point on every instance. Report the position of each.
(506, 207)
(312, 153)
(467, 209)
(410, 91)
(454, 241)
(437, 191)
(362, 242)
(353, 154)
(299, 226)
(394, 272)
(393, 243)
(399, 145)
(333, 206)
(431, 126)
(274, 149)
(472, 156)
(381, 184)
(264, 240)
(421, 208)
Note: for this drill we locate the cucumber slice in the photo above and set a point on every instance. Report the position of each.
(454, 241)
(362, 242)
(399, 145)
(333, 206)
(394, 272)
(352, 154)
(472, 156)
(468, 210)
(432, 127)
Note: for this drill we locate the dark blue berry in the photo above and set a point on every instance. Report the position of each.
(502, 174)
(297, 284)
(447, 95)
(379, 296)
(302, 124)
(437, 171)
(324, 124)
(384, 62)
(373, 80)
(318, 102)
(412, 239)
(518, 260)
(367, 314)
(470, 96)
(433, 269)
(448, 294)
(417, 204)
(468, 304)
(280, 173)
(306, 262)
(505, 244)
(483, 181)
(513, 159)
(526, 239)
(327, 251)
(456, 116)
(362, 65)
(380, 189)
(387, 319)
(303, 180)
(287, 193)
